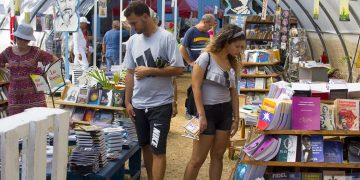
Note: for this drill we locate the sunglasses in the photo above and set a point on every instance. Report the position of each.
(227, 79)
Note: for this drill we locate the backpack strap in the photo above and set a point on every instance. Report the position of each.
(207, 67)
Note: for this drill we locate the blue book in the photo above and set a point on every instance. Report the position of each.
(263, 57)
(333, 151)
(317, 144)
(94, 97)
(278, 176)
(294, 175)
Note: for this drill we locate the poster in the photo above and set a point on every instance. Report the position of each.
(316, 9)
(67, 20)
(264, 10)
(39, 23)
(102, 8)
(17, 4)
(27, 17)
(239, 7)
(344, 10)
(49, 20)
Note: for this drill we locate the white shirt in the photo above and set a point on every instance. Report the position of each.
(79, 42)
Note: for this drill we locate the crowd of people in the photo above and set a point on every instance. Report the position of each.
(149, 96)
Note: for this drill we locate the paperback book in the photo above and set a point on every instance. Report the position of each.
(72, 94)
(347, 114)
(333, 151)
(305, 113)
(312, 148)
(94, 97)
(288, 148)
(83, 96)
(327, 116)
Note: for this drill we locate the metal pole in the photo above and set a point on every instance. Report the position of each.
(66, 55)
(120, 45)
(95, 31)
(163, 14)
(175, 18)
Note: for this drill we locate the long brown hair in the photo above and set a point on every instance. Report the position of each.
(227, 35)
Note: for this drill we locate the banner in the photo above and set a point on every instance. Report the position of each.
(344, 10)
(27, 17)
(316, 9)
(67, 20)
(17, 5)
(264, 10)
(239, 7)
(102, 8)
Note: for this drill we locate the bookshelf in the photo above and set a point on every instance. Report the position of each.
(302, 164)
(62, 102)
(245, 64)
(258, 75)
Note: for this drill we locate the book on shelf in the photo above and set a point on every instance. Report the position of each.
(83, 96)
(106, 97)
(320, 90)
(288, 148)
(294, 175)
(72, 94)
(78, 114)
(352, 145)
(119, 98)
(263, 148)
(327, 115)
(333, 151)
(311, 176)
(278, 176)
(305, 113)
(88, 115)
(275, 114)
(3, 93)
(347, 114)
(94, 98)
(338, 91)
(260, 83)
(300, 89)
(106, 115)
(242, 83)
(331, 175)
(312, 148)
(250, 83)
(353, 90)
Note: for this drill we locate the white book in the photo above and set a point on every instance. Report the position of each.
(72, 94)
(259, 83)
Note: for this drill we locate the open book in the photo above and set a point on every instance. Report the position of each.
(51, 80)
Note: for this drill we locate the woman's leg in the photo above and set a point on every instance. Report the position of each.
(200, 150)
(217, 153)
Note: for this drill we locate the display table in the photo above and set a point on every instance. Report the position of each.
(116, 169)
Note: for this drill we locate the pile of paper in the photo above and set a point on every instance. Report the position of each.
(129, 126)
(250, 114)
(275, 114)
(263, 148)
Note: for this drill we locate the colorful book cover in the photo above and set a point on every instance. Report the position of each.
(294, 175)
(106, 98)
(89, 114)
(311, 176)
(94, 97)
(83, 96)
(306, 113)
(352, 149)
(250, 83)
(347, 114)
(72, 94)
(78, 114)
(317, 146)
(288, 148)
(306, 149)
(333, 151)
(263, 57)
(119, 98)
(267, 113)
(327, 116)
(251, 147)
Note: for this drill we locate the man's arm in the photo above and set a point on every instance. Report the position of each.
(185, 55)
(129, 86)
(142, 71)
(103, 50)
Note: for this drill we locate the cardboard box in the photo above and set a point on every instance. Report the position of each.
(313, 74)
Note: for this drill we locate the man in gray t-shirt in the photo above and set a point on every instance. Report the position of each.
(149, 91)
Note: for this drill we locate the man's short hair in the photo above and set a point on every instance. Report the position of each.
(138, 8)
(208, 17)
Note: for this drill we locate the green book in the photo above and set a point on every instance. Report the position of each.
(288, 148)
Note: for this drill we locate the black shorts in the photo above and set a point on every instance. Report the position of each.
(152, 127)
(219, 117)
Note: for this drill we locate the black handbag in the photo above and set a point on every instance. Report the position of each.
(190, 100)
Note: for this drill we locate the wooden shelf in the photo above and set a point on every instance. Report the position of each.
(259, 64)
(253, 90)
(319, 132)
(259, 22)
(3, 83)
(259, 40)
(327, 101)
(62, 102)
(302, 164)
(258, 75)
(3, 102)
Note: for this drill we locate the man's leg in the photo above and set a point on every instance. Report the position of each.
(84, 60)
(159, 119)
(148, 160)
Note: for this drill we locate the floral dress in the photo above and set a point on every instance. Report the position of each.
(22, 94)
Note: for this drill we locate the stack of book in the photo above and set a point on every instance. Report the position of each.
(275, 114)
(114, 138)
(84, 160)
(192, 128)
(93, 138)
(264, 147)
(129, 126)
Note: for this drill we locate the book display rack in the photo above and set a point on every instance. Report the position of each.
(4, 86)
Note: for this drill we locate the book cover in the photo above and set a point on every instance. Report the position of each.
(294, 175)
(263, 57)
(106, 116)
(94, 97)
(353, 149)
(72, 94)
(250, 83)
(267, 113)
(332, 175)
(311, 176)
(106, 98)
(327, 116)
(306, 149)
(83, 96)
(259, 83)
(89, 114)
(78, 114)
(242, 83)
(305, 113)
(288, 148)
(278, 176)
(347, 114)
(317, 146)
(119, 98)
(333, 151)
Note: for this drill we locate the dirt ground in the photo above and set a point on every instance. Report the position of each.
(179, 148)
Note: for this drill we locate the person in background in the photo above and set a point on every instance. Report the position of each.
(196, 38)
(148, 88)
(111, 44)
(216, 100)
(22, 60)
(81, 43)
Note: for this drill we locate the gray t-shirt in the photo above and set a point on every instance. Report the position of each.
(214, 89)
(142, 51)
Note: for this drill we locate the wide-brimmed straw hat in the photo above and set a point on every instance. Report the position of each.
(25, 31)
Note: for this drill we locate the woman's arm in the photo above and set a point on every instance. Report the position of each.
(235, 107)
(196, 82)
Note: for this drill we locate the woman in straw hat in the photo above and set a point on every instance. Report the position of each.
(22, 60)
